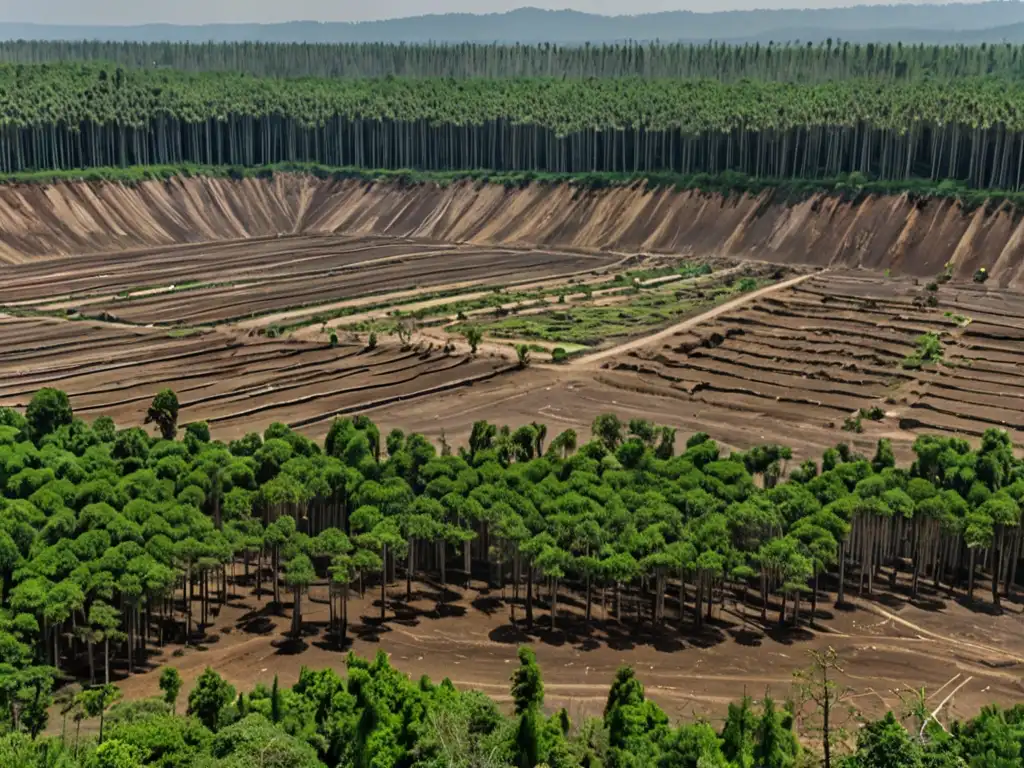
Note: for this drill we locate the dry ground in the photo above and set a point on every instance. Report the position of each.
(785, 364)
(888, 646)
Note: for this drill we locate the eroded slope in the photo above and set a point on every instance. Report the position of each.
(896, 233)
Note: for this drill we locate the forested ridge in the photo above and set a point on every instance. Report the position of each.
(968, 130)
(113, 542)
(788, 62)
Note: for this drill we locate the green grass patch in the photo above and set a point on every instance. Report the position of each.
(588, 325)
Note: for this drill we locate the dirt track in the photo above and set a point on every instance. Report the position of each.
(591, 360)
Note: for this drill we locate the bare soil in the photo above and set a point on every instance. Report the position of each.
(785, 365)
(906, 236)
(888, 645)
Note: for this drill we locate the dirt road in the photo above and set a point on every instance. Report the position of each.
(590, 361)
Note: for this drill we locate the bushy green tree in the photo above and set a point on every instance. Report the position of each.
(209, 697)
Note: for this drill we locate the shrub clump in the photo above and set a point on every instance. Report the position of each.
(929, 350)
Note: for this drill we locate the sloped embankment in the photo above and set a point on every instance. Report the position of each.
(897, 233)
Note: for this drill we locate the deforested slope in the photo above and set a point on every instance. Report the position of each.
(905, 235)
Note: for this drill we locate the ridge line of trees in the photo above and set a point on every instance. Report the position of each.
(783, 61)
(968, 130)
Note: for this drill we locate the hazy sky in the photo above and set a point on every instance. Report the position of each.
(207, 11)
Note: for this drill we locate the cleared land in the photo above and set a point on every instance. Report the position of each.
(234, 384)
(747, 352)
(889, 647)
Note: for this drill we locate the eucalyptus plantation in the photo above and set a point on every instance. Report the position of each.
(966, 130)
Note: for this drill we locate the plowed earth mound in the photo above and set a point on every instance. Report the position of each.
(233, 384)
(906, 236)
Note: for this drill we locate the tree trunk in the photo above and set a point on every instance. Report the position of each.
(814, 597)
(297, 614)
(970, 576)
(92, 663)
(588, 599)
(997, 555)
(529, 596)
(840, 597)
(383, 581)
(554, 604)
(344, 614)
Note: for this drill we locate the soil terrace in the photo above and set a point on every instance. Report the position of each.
(787, 363)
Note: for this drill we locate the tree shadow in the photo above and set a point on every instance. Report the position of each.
(370, 629)
(508, 634)
(332, 642)
(747, 637)
(257, 622)
(931, 604)
(707, 636)
(979, 606)
(258, 625)
(888, 599)
(449, 610)
(788, 634)
(289, 646)
(487, 605)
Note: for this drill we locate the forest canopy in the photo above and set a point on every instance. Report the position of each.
(968, 130)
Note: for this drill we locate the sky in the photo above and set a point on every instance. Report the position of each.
(263, 11)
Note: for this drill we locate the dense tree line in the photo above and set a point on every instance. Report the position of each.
(376, 717)
(113, 541)
(85, 116)
(789, 62)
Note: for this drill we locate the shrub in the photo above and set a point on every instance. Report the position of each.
(929, 350)
(559, 355)
(981, 275)
(334, 338)
(523, 355)
(853, 424)
(473, 336)
(371, 342)
(874, 413)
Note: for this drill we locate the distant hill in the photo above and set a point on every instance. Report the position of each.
(950, 23)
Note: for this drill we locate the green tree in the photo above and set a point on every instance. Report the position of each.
(885, 743)
(775, 744)
(164, 412)
(48, 410)
(96, 701)
(473, 336)
(116, 754)
(209, 697)
(738, 733)
(523, 355)
(299, 574)
(170, 684)
(527, 686)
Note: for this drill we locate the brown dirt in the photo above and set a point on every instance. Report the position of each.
(907, 236)
(785, 366)
(234, 384)
(887, 644)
